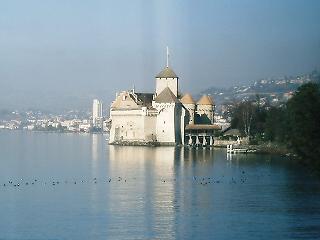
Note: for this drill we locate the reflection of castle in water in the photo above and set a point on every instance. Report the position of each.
(163, 158)
(150, 166)
(156, 176)
(159, 159)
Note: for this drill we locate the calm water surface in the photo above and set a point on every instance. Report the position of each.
(74, 186)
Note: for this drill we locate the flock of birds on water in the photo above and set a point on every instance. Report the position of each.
(195, 179)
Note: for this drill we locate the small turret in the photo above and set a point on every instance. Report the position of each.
(190, 105)
(205, 108)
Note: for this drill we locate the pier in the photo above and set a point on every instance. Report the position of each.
(200, 135)
(230, 149)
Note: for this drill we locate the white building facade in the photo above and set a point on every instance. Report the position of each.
(97, 111)
(158, 118)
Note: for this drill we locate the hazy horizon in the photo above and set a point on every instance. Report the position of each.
(69, 51)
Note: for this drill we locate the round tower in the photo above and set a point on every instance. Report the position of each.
(205, 108)
(188, 102)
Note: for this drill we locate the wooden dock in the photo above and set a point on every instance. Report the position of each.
(231, 149)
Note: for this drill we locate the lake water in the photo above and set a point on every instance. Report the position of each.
(75, 186)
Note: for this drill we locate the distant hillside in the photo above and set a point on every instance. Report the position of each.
(272, 90)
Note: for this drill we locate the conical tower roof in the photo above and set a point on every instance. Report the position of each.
(166, 96)
(187, 99)
(167, 73)
(205, 100)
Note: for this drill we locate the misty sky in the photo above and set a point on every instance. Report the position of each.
(50, 49)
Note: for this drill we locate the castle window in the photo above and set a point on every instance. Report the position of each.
(163, 131)
(164, 122)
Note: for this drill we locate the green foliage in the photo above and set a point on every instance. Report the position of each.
(303, 123)
(242, 117)
(249, 118)
(275, 125)
(297, 125)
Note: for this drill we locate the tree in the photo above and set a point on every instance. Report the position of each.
(247, 116)
(303, 111)
(275, 125)
(243, 117)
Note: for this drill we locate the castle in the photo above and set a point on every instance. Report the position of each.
(164, 117)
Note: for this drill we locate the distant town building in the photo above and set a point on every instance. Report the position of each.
(97, 113)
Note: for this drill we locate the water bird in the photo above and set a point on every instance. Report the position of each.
(109, 179)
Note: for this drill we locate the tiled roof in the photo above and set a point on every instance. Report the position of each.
(167, 73)
(205, 100)
(166, 96)
(187, 99)
(127, 103)
(202, 127)
(145, 98)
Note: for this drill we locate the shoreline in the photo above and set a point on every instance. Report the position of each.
(51, 131)
(264, 148)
